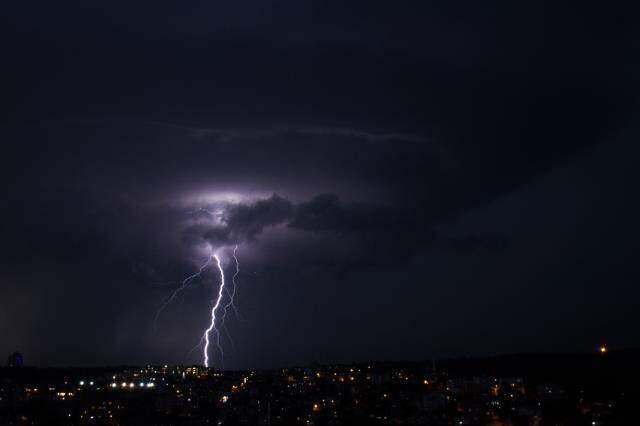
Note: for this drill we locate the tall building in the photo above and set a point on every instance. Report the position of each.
(15, 360)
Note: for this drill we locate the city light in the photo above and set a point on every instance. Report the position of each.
(297, 389)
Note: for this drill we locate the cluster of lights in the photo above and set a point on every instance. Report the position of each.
(132, 385)
(63, 395)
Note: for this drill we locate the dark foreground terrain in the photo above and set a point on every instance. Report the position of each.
(569, 389)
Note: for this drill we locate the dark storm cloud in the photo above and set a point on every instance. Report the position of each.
(326, 212)
(352, 222)
(222, 135)
(375, 123)
(240, 223)
(472, 243)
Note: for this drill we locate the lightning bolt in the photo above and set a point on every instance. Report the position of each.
(183, 285)
(217, 322)
(214, 328)
(231, 300)
(234, 278)
(212, 325)
(234, 284)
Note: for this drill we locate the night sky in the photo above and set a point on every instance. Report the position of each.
(404, 180)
